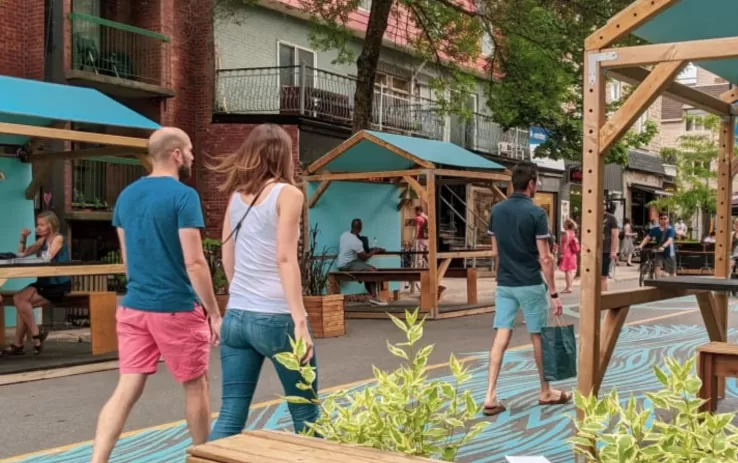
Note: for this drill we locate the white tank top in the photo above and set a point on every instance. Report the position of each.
(256, 285)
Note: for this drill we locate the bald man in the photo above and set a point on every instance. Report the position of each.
(158, 220)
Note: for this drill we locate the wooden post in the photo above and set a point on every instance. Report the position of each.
(430, 185)
(723, 235)
(592, 215)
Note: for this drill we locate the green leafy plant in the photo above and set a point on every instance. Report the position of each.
(673, 431)
(402, 411)
(214, 255)
(314, 266)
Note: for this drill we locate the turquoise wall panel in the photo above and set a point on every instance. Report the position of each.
(365, 156)
(374, 204)
(17, 212)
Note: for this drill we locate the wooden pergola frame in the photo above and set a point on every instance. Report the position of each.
(413, 177)
(598, 336)
(42, 161)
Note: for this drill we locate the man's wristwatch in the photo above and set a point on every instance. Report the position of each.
(555, 296)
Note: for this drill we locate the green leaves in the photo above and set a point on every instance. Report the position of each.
(673, 430)
(403, 411)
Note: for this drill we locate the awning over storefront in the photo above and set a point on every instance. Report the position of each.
(650, 189)
(40, 104)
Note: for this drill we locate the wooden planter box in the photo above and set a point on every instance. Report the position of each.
(326, 315)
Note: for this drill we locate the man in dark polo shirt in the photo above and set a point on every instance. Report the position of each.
(520, 236)
(610, 243)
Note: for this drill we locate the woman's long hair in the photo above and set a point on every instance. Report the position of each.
(265, 154)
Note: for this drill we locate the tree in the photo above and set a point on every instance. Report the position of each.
(693, 158)
(534, 75)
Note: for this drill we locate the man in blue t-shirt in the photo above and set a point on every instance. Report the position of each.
(525, 279)
(663, 235)
(158, 220)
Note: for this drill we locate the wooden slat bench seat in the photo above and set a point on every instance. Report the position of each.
(101, 306)
(282, 447)
(714, 361)
(384, 275)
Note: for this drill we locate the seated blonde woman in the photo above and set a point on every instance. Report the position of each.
(45, 291)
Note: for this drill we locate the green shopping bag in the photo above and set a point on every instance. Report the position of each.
(559, 345)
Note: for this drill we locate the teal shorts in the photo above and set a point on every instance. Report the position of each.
(532, 299)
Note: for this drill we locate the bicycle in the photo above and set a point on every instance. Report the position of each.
(646, 266)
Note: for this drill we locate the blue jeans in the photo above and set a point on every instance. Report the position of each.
(246, 339)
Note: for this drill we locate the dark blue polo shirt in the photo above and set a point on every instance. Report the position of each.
(517, 224)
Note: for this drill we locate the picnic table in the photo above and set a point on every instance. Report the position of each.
(282, 447)
(101, 304)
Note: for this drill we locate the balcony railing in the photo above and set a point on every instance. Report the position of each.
(310, 92)
(97, 183)
(105, 47)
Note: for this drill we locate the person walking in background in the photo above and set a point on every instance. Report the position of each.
(626, 252)
(569, 250)
(520, 236)
(158, 220)
(261, 230)
(610, 243)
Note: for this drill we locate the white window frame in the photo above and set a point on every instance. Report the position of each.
(489, 43)
(298, 47)
(696, 127)
(616, 90)
(640, 125)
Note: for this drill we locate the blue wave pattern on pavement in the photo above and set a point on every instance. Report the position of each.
(524, 429)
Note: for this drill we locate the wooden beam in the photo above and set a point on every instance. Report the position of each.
(734, 169)
(612, 325)
(40, 173)
(593, 168)
(348, 176)
(632, 297)
(417, 187)
(88, 153)
(318, 193)
(442, 269)
(497, 191)
(639, 101)
(502, 177)
(44, 270)
(400, 152)
(723, 235)
(711, 317)
(466, 254)
(730, 96)
(334, 153)
(682, 93)
(695, 50)
(145, 161)
(71, 135)
(625, 22)
(432, 242)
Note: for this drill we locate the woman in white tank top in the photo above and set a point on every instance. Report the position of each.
(260, 236)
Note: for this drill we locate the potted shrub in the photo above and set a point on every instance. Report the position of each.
(402, 411)
(213, 255)
(672, 430)
(325, 312)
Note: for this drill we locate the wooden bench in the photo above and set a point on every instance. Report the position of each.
(101, 306)
(278, 446)
(383, 275)
(715, 360)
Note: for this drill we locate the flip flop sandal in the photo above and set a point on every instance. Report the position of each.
(493, 410)
(41, 337)
(12, 350)
(564, 398)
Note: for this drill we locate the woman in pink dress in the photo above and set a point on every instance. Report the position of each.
(569, 250)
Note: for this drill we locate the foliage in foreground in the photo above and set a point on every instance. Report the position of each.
(403, 411)
(673, 431)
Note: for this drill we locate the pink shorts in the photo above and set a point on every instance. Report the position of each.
(182, 339)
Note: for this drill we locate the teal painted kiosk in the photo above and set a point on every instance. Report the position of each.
(31, 113)
(363, 177)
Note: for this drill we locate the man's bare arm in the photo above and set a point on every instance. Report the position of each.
(615, 246)
(496, 258)
(547, 264)
(198, 270)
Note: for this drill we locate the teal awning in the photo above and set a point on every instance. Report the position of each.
(32, 102)
(368, 155)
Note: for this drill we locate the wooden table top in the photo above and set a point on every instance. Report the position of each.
(282, 447)
(34, 270)
(694, 282)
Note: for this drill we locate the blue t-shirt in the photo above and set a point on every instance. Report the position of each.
(151, 211)
(517, 223)
(659, 237)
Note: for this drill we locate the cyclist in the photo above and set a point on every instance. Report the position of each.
(664, 235)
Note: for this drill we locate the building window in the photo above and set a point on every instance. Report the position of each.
(693, 120)
(616, 90)
(688, 76)
(488, 46)
(640, 124)
(290, 59)
(365, 5)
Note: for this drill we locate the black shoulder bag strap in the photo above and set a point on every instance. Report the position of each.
(237, 228)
